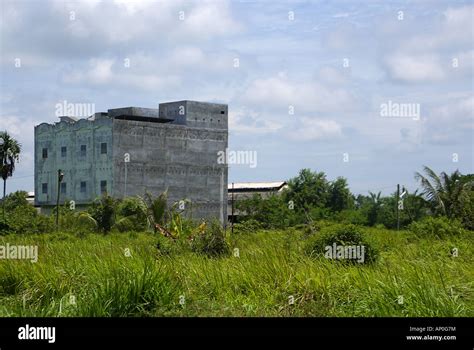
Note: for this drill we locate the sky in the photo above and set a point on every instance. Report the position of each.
(369, 90)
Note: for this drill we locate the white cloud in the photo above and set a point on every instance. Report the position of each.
(279, 92)
(113, 73)
(251, 122)
(422, 51)
(415, 68)
(311, 129)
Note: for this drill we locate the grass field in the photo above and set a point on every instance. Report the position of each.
(92, 275)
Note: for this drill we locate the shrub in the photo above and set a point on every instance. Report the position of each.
(466, 210)
(126, 225)
(211, 242)
(103, 211)
(439, 227)
(166, 246)
(26, 220)
(15, 200)
(133, 211)
(247, 226)
(351, 216)
(343, 237)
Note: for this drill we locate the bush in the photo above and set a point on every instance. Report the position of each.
(133, 211)
(103, 211)
(126, 225)
(351, 216)
(26, 220)
(166, 246)
(438, 227)
(347, 239)
(211, 242)
(247, 226)
(466, 210)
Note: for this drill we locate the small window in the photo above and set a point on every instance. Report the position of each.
(218, 120)
(44, 188)
(103, 186)
(63, 151)
(63, 188)
(83, 187)
(211, 120)
(83, 150)
(103, 148)
(222, 112)
(45, 153)
(203, 119)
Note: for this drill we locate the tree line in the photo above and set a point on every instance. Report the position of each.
(310, 196)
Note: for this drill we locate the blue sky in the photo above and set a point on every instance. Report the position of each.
(334, 63)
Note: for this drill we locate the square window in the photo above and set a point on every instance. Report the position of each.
(83, 150)
(103, 148)
(83, 187)
(45, 153)
(44, 188)
(222, 112)
(103, 186)
(63, 188)
(63, 151)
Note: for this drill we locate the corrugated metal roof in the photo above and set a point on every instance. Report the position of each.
(256, 185)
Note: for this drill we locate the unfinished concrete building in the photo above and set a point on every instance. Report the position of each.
(128, 151)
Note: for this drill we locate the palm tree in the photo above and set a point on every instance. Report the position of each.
(443, 191)
(375, 204)
(9, 153)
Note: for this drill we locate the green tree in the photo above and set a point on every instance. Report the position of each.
(156, 209)
(9, 154)
(15, 200)
(374, 204)
(308, 190)
(271, 212)
(443, 192)
(103, 211)
(340, 196)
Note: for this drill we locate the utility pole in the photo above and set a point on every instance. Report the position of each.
(126, 159)
(232, 229)
(398, 207)
(60, 179)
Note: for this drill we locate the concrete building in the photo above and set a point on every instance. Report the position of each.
(128, 151)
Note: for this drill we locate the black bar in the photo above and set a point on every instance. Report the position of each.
(348, 331)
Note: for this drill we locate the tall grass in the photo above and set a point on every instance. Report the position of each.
(93, 275)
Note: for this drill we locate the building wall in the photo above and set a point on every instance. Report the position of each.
(196, 114)
(174, 157)
(179, 155)
(91, 168)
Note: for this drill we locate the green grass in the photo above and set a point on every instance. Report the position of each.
(271, 268)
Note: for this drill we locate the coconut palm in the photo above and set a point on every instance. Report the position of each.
(442, 192)
(375, 205)
(157, 209)
(9, 153)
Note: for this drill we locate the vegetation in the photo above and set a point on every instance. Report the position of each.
(342, 235)
(9, 154)
(310, 196)
(150, 260)
(94, 276)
